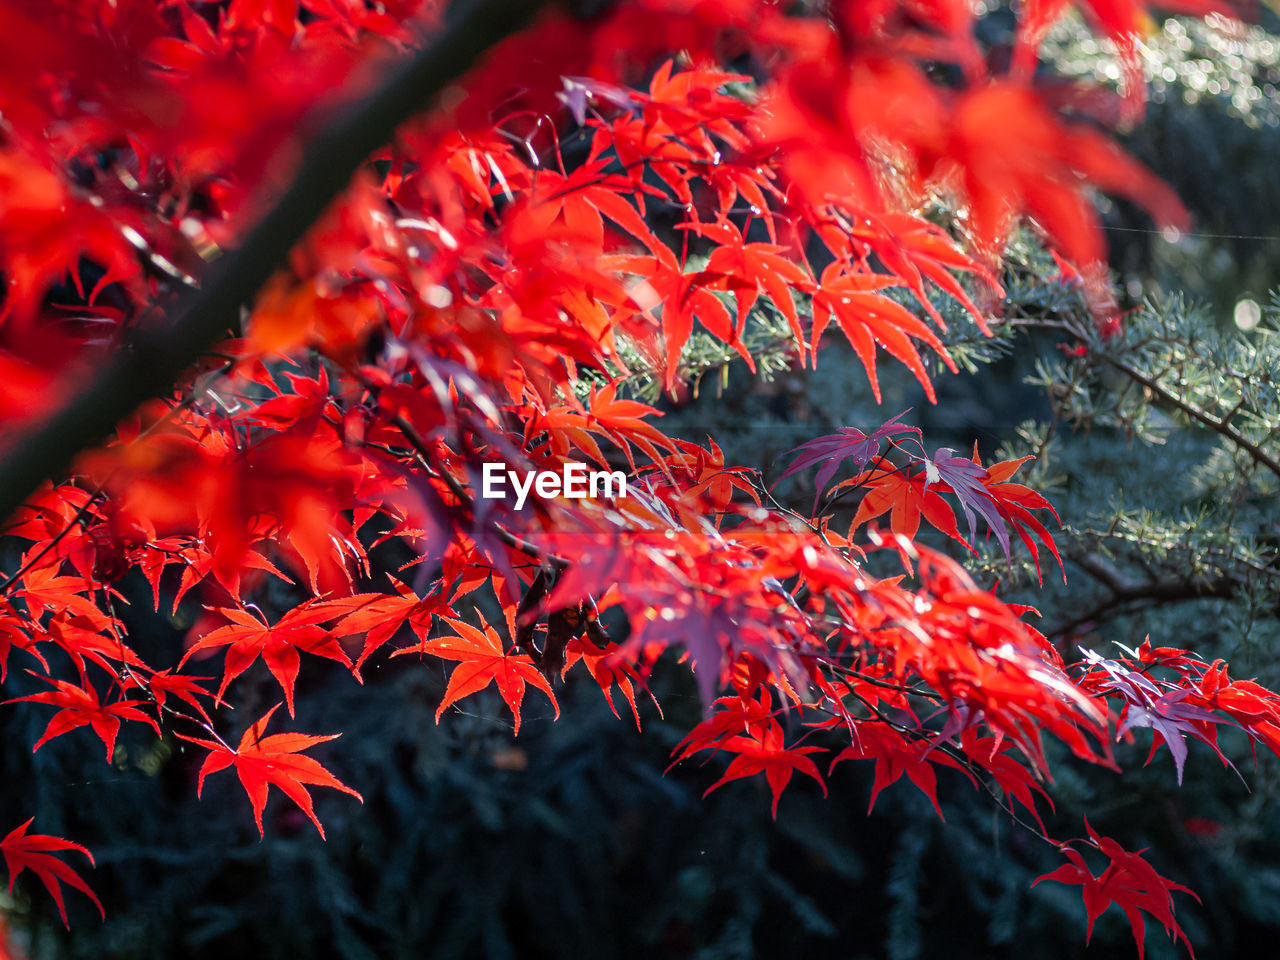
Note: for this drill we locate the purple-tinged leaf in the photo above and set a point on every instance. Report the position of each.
(1149, 706)
(1171, 718)
(965, 477)
(579, 91)
(849, 444)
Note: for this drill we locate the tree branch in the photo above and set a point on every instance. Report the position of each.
(155, 358)
(1222, 426)
(1128, 596)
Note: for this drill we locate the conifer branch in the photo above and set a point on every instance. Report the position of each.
(1216, 424)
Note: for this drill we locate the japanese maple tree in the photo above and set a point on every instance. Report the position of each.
(283, 275)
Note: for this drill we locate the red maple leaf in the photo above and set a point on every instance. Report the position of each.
(80, 707)
(583, 195)
(761, 750)
(606, 668)
(751, 268)
(248, 637)
(895, 755)
(683, 297)
(24, 851)
(16, 633)
(869, 318)
(1015, 501)
(481, 661)
(1017, 782)
(1129, 882)
(729, 715)
(904, 497)
(262, 761)
(380, 615)
(915, 249)
(164, 683)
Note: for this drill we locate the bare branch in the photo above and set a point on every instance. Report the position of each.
(1127, 596)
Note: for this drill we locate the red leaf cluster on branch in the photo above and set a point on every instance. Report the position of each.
(558, 223)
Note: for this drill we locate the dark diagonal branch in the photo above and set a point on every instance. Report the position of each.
(1218, 425)
(1127, 596)
(156, 357)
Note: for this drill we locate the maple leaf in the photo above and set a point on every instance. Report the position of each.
(894, 755)
(164, 683)
(380, 616)
(683, 297)
(48, 512)
(607, 668)
(263, 761)
(1017, 782)
(483, 660)
(198, 563)
(911, 495)
(80, 707)
(905, 497)
(1170, 719)
(248, 637)
(581, 197)
(1148, 704)
(1255, 708)
(1129, 882)
(23, 851)
(914, 248)
(43, 590)
(849, 443)
(710, 478)
(728, 715)
(15, 633)
(708, 629)
(763, 751)
(82, 639)
(1015, 501)
(308, 403)
(869, 318)
(965, 479)
(754, 267)
(622, 421)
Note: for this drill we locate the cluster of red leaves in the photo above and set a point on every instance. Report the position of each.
(1128, 881)
(1176, 694)
(915, 490)
(484, 292)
